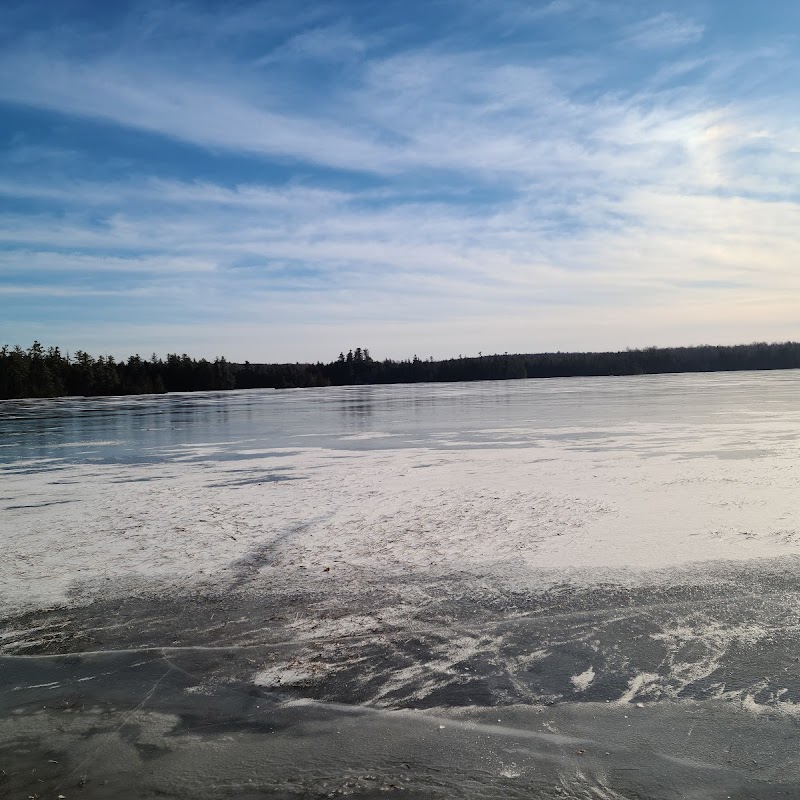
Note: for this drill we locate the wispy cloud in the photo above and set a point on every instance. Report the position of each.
(327, 43)
(664, 30)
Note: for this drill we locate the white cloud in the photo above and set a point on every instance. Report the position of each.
(419, 110)
(205, 112)
(31, 262)
(518, 205)
(324, 43)
(405, 261)
(663, 31)
(516, 14)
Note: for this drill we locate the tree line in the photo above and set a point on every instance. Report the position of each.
(37, 372)
(40, 372)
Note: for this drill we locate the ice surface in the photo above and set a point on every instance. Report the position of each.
(575, 564)
(593, 499)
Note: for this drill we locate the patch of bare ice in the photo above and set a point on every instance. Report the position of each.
(695, 652)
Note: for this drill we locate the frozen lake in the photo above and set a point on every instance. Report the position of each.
(583, 587)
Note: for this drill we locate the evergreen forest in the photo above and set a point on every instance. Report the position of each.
(40, 372)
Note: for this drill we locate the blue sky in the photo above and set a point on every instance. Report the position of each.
(281, 181)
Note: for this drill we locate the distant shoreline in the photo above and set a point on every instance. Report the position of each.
(37, 372)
